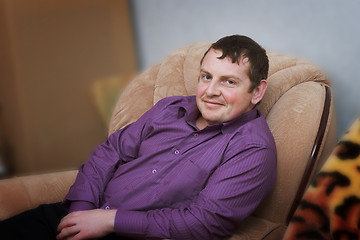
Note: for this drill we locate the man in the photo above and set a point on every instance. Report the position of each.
(191, 167)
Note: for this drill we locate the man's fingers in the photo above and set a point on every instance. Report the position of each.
(68, 232)
(67, 221)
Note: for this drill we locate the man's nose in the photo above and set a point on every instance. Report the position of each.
(213, 89)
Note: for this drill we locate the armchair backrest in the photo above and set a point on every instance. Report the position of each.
(297, 105)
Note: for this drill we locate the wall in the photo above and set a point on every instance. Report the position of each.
(52, 54)
(325, 32)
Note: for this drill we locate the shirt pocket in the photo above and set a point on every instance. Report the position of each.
(182, 185)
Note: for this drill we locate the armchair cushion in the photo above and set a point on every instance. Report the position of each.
(293, 105)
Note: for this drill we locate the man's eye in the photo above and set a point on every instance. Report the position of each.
(230, 82)
(207, 77)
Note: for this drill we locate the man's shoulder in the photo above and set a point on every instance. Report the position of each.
(256, 132)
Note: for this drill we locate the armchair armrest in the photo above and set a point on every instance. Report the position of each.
(254, 228)
(19, 194)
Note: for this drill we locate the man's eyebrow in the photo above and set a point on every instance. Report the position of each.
(223, 77)
(204, 71)
(231, 76)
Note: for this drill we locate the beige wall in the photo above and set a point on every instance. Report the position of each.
(51, 54)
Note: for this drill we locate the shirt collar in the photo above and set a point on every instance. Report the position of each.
(233, 125)
(190, 111)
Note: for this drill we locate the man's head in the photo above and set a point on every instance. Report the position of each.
(237, 47)
(232, 79)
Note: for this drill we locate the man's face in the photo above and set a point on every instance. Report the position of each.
(223, 90)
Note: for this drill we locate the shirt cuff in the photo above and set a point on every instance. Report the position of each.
(80, 206)
(130, 223)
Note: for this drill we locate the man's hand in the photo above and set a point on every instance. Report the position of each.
(87, 224)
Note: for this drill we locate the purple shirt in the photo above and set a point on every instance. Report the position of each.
(168, 179)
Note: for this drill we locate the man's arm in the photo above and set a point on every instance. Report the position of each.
(93, 176)
(121, 147)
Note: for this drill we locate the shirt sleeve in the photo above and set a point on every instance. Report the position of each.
(232, 193)
(121, 147)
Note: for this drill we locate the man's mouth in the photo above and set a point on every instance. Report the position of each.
(212, 104)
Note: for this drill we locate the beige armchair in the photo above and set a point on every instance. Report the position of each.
(298, 106)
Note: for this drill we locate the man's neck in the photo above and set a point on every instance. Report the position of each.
(201, 123)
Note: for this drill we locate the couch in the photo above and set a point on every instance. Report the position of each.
(299, 108)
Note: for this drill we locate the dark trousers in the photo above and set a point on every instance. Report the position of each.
(37, 224)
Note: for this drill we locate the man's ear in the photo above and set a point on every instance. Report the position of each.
(259, 92)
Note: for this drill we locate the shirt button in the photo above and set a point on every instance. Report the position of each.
(176, 152)
(154, 171)
(107, 207)
(196, 134)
